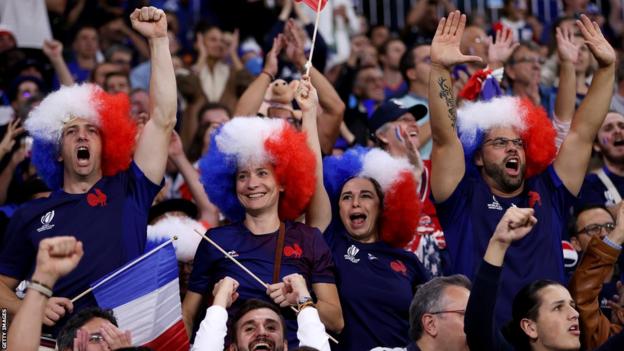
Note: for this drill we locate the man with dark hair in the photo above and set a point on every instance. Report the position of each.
(437, 315)
(259, 323)
(390, 57)
(85, 47)
(606, 185)
(490, 156)
(368, 89)
(117, 82)
(96, 326)
(415, 66)
(523, 72)
(590, 221)
(84, 148)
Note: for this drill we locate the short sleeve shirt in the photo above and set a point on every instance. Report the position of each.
(594, 192)
(305, 252)
(110, 220)
(376, 284)
(470, 216)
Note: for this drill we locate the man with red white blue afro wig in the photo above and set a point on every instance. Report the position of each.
(490, 156)
(400, 210)
(474, 119)
(110, 113)
(254, 140)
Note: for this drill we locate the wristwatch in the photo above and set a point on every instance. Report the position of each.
(303, 302)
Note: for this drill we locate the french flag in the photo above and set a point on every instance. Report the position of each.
(145, 298)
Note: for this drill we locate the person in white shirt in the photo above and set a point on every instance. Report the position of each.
(259, 324)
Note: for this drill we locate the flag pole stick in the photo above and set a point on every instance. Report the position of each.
(123, 269)
(233, 259)
(308, 64)
(247, 271)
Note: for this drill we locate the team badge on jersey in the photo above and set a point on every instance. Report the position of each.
(97, 198)
(534, 198)
(352, 251)
(293, 251)
(398, 266)
(46, 219)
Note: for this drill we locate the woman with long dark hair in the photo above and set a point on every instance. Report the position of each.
(544, 315)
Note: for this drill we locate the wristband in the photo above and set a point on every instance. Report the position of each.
(608, 241)
(271, 77)
(40, 287)
(304, 302)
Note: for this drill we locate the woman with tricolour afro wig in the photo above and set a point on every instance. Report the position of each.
(245, 142)
(376, 211)
(111, 113)
(261, 174)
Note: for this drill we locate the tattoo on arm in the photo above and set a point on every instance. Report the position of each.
(447, 94)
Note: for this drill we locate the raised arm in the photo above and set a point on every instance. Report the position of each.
(207, 211)
(53, 49)
(213, 329)
(151, 152)
(568, 52)
(447, 155)
(332, 107)
(573, 158)
(319, 210)
(56, 257)
(500, 50)
(249, 103)
(481, 333)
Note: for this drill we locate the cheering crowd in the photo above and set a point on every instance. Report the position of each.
(453, 184)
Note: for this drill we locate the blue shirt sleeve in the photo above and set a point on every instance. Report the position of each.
(17, 256)
(452, 213)
(479, 326)
(142, 189)
(561, 194)
(323, 268)
(200, 280)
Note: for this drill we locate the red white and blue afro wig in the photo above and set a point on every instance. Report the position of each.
(401, 204)
(254, 140)
(474, 119)
(111, 113)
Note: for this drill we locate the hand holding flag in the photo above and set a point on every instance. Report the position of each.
(316, 5)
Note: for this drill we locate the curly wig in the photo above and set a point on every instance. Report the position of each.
(255, 140)
(401, 204)
(111, 113)
(474, 119)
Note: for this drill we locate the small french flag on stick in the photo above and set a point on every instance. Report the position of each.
(145, 298)
(314, 4)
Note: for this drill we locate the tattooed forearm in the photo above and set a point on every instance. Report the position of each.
(447, 95)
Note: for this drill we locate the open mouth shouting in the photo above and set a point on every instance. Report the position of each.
(512, 166)
(618, 142)
(357, 220)
(83, 155)
(262, 344)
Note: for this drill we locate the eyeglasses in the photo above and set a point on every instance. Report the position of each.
(460, 312)
(539, 60)
(501, 143)
(596, 229)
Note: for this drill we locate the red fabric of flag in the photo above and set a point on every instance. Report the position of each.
(314, 3)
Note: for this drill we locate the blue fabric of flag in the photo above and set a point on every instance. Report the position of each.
(153, 272)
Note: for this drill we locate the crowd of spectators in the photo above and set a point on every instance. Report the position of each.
(429, 180)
